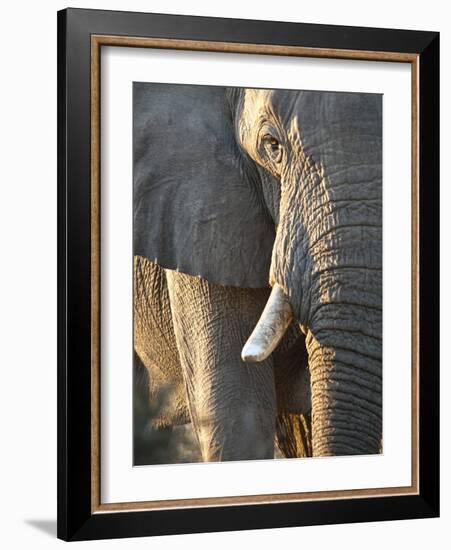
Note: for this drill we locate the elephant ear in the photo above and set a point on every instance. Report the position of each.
(197, 200)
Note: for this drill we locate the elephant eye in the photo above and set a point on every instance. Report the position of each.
(272, 148)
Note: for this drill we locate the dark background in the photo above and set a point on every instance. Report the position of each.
(152, 446)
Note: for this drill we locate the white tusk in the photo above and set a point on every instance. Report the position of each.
(270, 328)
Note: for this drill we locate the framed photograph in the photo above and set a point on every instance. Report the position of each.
(248, 274)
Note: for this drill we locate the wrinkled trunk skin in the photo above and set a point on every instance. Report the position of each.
(343, 313)
(346, 394)
(328, 260)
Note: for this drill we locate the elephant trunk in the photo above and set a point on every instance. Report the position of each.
(345, 348)
(334, 283)
(331, 274)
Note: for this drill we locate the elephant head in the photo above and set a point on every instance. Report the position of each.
(251, 188)
(326, 268)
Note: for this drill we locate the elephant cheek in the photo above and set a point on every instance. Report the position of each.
(290, 270)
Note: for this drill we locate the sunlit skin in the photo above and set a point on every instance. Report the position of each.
(303, 172)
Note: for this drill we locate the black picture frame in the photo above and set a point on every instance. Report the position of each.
(76, 520)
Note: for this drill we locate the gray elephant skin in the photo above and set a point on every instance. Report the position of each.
(258, 267)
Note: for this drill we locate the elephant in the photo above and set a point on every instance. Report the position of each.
(258, 266)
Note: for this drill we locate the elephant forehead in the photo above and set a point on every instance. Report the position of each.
(311, 107)
(261, 105)
(321, 112)
(256, 101)
(256, 108)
